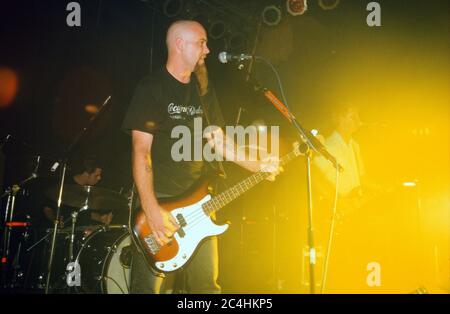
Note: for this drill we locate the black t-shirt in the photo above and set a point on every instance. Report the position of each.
(161, 103)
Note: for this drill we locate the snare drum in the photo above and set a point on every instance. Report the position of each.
(105, 261)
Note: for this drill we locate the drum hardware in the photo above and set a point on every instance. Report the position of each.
(18, 233)
(84, 243)
(48, 234)
(126, 257)
(84, 196)
(9, 224)
(30, 167)
(111, 249)
(101, 257)
(104, 257)
(87, 197)
(78, 236)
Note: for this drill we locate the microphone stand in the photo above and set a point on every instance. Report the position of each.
(310, 145)
(68, 151)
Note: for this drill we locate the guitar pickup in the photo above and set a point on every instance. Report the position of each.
(181, 220)
(181, 233)
(182, 223)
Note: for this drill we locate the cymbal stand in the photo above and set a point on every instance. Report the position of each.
(55, 228)
(75, 214)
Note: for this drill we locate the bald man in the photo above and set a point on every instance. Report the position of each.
(170, 98)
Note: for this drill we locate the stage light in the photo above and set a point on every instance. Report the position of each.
(296, 7)
(328, 4)
(314, 132)
(172, 8)
(271, 15)
(8, 86)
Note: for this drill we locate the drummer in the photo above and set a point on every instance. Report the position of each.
(87, 171)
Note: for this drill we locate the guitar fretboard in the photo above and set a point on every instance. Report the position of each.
(240, 188)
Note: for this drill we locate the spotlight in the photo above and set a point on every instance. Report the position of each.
(296, 7)
(328, 4)
(172, 8)
(9, 84)
(271, 15)
(91, 108)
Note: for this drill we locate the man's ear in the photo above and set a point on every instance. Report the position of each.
(179, 43)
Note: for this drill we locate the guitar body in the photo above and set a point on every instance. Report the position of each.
(192, 211)
(195, 226)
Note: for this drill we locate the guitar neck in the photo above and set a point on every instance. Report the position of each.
(224, 198)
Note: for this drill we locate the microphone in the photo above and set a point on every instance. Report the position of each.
(224, 57)
(55, 166)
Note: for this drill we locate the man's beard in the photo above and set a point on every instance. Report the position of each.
(202, 77)
(200, 63)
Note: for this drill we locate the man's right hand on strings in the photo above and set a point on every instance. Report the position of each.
(162, 224)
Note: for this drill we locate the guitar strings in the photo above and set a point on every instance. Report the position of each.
(259, 176)
(228, 194)
(199, 215)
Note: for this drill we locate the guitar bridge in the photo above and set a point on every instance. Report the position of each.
(151, 244)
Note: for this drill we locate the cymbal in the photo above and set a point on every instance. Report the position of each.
(89, 197)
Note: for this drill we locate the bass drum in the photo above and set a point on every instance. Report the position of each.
(105, 261)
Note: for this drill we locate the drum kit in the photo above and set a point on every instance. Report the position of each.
(101, 252)
(36, 259)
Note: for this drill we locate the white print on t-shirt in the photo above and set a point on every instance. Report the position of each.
(173, 109)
